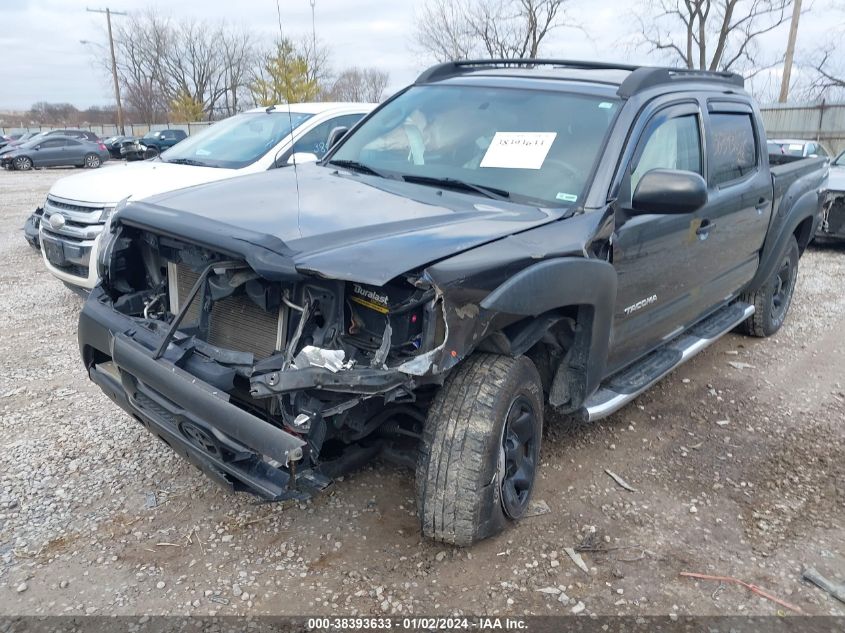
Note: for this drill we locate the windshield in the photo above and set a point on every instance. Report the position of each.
(840, 160)
(237, 141)
(530, 145)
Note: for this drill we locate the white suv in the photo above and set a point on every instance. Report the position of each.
(77, 207)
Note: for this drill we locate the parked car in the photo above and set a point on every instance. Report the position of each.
(833, 207)
(5, 139)
(250, 142)
(75, 134)
(787, 150)
(113, 144)
(152, 144)
(496, 237)
(55, 151)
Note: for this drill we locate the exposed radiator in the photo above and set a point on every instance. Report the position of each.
(235, 323)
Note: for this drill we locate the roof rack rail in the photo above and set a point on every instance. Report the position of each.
(450, 69)
(641, 77)
(649, 76)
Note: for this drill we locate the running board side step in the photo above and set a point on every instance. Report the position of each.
(621, 388)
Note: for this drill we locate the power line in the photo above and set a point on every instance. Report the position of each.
(109, 13)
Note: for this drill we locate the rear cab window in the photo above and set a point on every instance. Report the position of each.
(732, 149)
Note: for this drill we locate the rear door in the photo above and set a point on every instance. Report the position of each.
(733, 225)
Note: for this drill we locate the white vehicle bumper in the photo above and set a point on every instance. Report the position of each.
(81, 260)
(69, 233)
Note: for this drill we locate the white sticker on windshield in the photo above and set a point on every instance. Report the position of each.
(795, 147)
(567, 197)
(518, 150)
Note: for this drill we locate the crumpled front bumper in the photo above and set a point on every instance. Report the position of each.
(832, 225)
(236, 449)
(31, 228)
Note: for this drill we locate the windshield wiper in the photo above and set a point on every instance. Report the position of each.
(454, 183)
(187, 161)
(354, 165)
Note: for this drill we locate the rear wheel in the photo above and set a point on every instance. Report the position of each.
(480, 449)
(772, 300)
(92, 161)
(23, 163)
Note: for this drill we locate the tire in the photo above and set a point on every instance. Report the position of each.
(466, 486)
(92, 161)
(771, 302)
(150, 152)
(22, 163)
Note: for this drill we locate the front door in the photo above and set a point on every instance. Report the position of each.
(49, 152)
(656, 255)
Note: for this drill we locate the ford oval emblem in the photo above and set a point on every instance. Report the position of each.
(57, 221)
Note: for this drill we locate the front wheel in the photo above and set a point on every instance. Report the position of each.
(480, 449)
(92, 161)
(23, 163)
(772, 300)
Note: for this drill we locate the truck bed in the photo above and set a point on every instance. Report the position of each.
(798, 173)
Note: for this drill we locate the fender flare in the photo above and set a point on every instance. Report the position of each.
(589, 284)
(782, 228)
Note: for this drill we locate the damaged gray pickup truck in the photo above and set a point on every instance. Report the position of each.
(498, 236)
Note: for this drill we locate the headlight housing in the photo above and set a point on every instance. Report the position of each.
(107, 237)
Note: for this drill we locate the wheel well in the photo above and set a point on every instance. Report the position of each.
(804, 233)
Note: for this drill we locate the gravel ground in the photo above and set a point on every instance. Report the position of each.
(736, 459)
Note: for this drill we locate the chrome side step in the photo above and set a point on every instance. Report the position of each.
(621, 388)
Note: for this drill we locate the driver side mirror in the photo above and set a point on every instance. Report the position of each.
(298, 158)
(335, 135)
(669, 191)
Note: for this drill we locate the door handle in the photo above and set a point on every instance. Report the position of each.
(704, 229)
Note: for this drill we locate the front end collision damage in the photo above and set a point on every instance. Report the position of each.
(338, 410)
(832, 223)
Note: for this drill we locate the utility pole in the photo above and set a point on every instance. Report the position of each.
(313, 30)
(109, 13)
(790, 51)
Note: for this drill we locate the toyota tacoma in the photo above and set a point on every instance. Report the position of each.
(498, 237)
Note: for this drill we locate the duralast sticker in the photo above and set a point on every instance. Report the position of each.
(518, 150)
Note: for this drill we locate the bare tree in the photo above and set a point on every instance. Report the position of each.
(711, 34)
(359, 84)
(462, 29)
(823, 70)
(192, 65)
(827, 75)
(184, 65)
(239, 55)
(138, 64)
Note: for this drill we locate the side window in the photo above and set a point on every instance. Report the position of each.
(733, 150)
(52, 143)
(315, 141)
(821, 151)
(674, 144)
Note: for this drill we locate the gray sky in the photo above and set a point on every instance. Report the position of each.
(44, 60)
